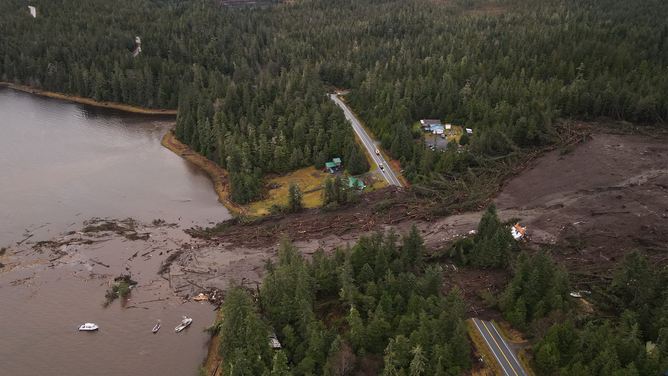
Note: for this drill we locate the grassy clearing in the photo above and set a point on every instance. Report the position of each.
(88, 101)
(310, 181)
(481, 350)
(378, 182)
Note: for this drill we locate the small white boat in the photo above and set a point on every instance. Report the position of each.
(88, 326)
(184, 323)
(156, 327)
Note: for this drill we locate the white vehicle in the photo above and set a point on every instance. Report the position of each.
(88, 326)
(377, 152)
(184, 323)
(381, 166)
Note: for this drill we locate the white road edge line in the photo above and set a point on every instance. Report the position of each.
(508, 348)
(368, 143)
(489, 346)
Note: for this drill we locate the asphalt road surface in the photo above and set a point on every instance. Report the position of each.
(387, 172)
(502, 352)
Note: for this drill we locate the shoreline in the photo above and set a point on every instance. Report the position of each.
(91, 102)
(217, 174)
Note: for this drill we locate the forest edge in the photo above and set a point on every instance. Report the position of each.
(88, 101)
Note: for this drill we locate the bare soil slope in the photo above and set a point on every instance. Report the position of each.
(606, 197)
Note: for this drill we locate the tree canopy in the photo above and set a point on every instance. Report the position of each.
(331, 312)
(250, 83)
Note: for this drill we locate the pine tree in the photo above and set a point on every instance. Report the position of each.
(412, 250)
(243, 337)
(418, 362)
(280, 365)
(294, 198)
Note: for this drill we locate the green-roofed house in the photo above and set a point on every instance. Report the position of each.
(355, 183)
(337, 161)
(330, 165)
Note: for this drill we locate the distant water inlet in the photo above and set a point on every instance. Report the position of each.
(62, 164)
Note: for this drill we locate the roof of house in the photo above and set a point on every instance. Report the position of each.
(337, 160)
(273, 342)
(330, 164)
(355, 182)
(517, 231)
(430, 122)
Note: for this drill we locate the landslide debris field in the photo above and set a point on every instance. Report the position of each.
(591, 203)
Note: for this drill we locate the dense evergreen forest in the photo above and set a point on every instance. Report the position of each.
(626, 336)
(381, 299)
(375, 307)
(250, 83)
(250, 88)
(626, 332)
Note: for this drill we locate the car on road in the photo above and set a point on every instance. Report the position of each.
(381, 167)
(377, 152)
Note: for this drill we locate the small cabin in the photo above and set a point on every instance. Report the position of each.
(426, 124)
(355, 183)
(437, 129)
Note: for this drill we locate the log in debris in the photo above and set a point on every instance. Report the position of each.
(150, 301)
(99, 263)
(593, 213)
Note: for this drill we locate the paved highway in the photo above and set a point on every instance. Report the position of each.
(386, 171)
(502, 352)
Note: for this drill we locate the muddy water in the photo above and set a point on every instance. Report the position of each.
(61, 164)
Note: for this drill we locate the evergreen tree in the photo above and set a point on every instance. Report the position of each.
(294, 198)
(243, 335)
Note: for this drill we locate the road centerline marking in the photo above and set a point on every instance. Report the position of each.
(497, 345)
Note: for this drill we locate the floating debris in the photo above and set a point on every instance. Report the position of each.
(201, 297)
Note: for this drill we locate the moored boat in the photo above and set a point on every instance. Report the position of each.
(184, 323)
(156, 327)
(88, 326)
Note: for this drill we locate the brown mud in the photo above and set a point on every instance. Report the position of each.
(590, 203)
(88, 101)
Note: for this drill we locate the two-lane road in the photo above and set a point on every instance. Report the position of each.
(502, 352)
(387, 172)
